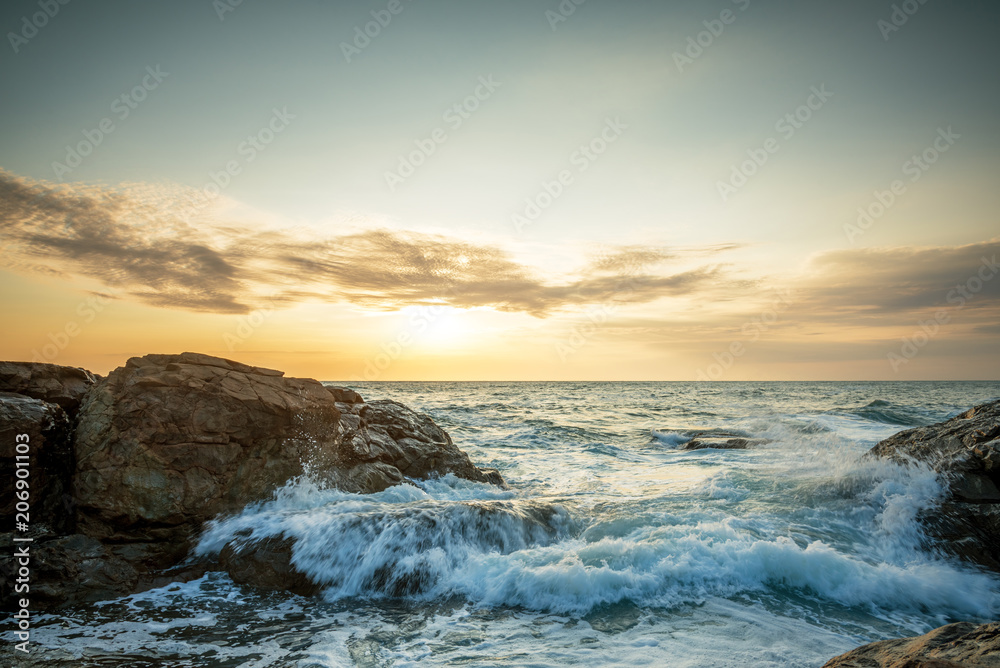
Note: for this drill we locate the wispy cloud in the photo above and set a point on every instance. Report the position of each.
(137, 239)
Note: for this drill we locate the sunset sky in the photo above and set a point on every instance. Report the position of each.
(730, 190)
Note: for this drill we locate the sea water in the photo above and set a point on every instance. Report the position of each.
(614, 546)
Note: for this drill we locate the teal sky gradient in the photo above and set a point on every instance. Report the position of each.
(657, 184)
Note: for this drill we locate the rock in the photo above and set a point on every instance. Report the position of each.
(169, 441)
(974, 488)
(966, 445)
(968, 531)
(367, 478)
(965, 450)
(961, 645)
(388, 432)
(49, 458)
(67, 571)
(62, 385)
(612, 618)
(265, 564)
(716, 439)
(493, 477)
(723, 443)
(344, 395)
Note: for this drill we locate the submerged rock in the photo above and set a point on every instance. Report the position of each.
(723, 443)
(716, 439)
(965, 450)
(389, 550)
(961, 645)
(266, 564)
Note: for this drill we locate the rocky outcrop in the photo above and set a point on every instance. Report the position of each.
(388, 433)
(167, 442)
(46, 462)
(62, 385)
(961, 645)
(965, 450)
(717, 439)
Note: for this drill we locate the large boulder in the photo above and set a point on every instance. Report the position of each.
(961, 645)
(965, 450)
(62, 385)
(46, 463)
(169, 441)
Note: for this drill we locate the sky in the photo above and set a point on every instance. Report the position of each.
(549, 190)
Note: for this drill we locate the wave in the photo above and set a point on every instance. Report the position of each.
(671, 439)
(886, 412)
(676, 437)
(435, 542)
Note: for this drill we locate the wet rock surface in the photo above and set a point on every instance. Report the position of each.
(265, 564)
(723, 442)
(965, 450)
(961, 645)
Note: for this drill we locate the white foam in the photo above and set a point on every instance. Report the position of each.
(514, 553)
(670, 439)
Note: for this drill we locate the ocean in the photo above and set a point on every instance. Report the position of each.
(613, 547)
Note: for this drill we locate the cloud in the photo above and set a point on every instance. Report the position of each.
(160, 245)
(857, 299)
(886, 283)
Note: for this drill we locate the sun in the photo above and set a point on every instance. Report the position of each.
(439, 327)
